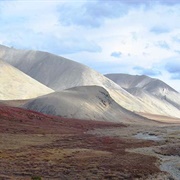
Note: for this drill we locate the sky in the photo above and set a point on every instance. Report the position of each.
(110, 36)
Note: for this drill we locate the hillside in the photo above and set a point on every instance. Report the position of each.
(54, 71)
(152, 85)
(17, 85)
(86, 102)
(149, 86)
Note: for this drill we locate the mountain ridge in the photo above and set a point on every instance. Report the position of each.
(52, 70)
(153, 86)
(141, 81)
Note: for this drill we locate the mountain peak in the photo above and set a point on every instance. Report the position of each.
(142, 81)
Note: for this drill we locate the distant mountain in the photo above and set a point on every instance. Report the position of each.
(138, 85)
(151, 85)
(17, 85)
(85, 102)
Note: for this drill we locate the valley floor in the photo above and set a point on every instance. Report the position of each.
(33, 145)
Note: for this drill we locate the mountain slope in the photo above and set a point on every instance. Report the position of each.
(164, 107)
(144, 82)
(54, 71)
(17, 85)
(86, 102)
(149, 86)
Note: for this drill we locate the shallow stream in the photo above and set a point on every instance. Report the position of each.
(147, 136)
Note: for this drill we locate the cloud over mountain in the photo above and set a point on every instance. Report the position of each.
(147, 71)
(174, 69)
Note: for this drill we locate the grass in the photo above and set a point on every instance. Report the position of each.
(36, 178)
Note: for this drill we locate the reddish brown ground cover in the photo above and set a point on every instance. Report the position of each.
(169, 150)
(57, 148)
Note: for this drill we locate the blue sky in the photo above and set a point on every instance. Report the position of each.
(120, 36)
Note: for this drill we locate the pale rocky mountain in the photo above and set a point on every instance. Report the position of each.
(17, 85)
(59, 74)
(161, 104)
(85, 102)
(143, 86)
(54, 71)
(152, 85)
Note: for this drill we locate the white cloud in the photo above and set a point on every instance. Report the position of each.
(88, 32)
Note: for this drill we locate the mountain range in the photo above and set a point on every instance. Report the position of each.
(55, 85)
